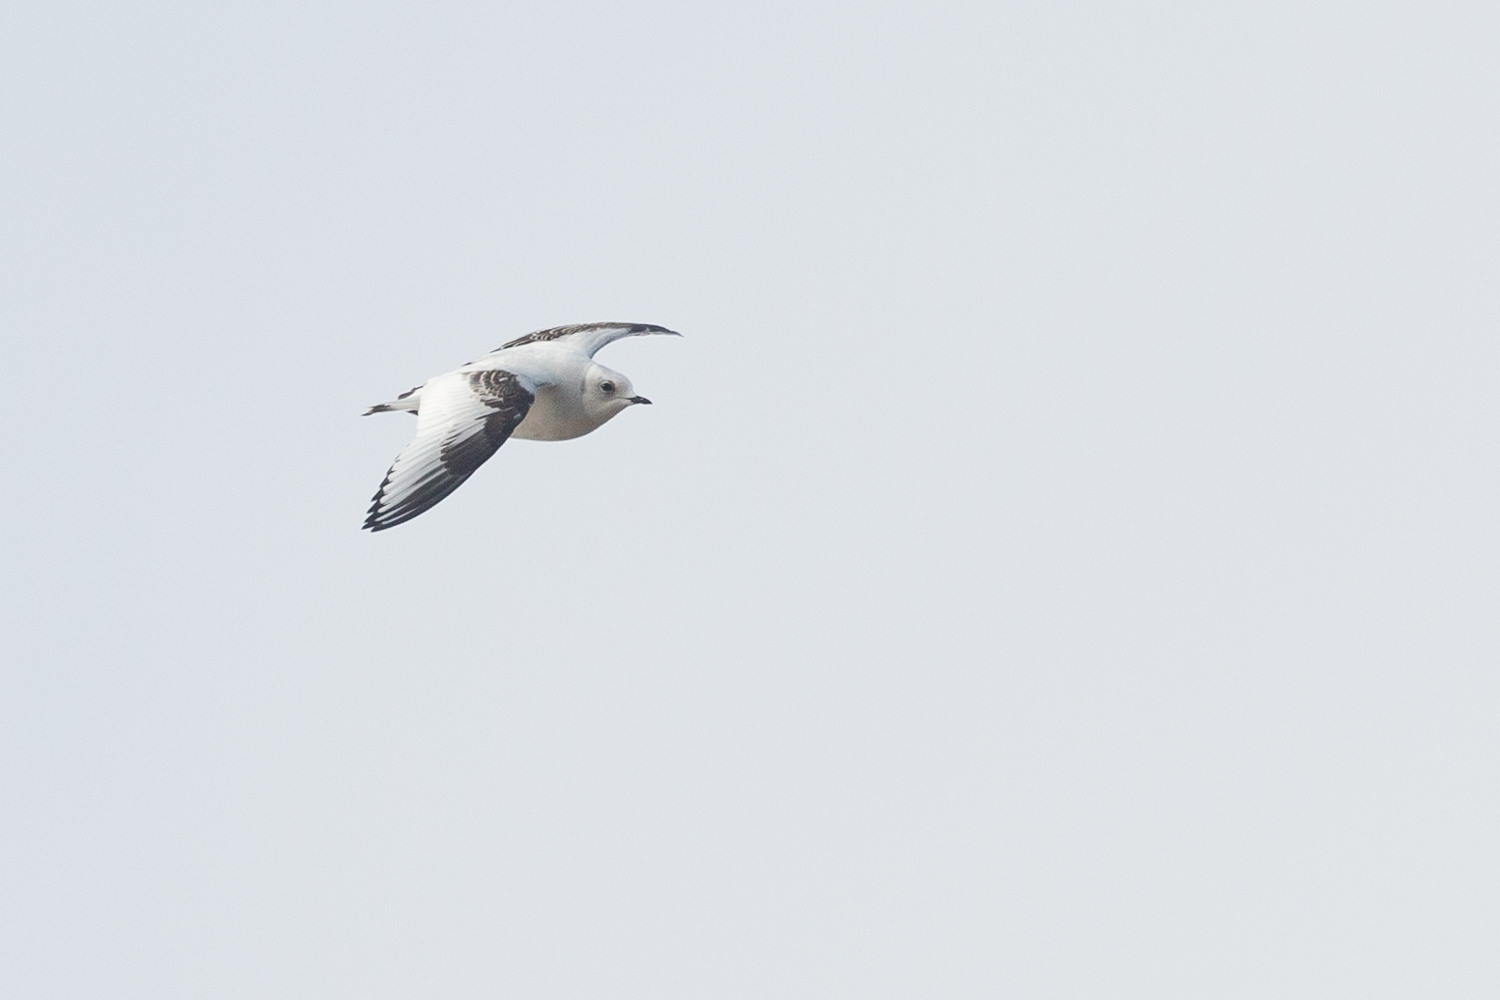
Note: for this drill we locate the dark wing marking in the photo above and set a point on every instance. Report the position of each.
(462, 422)
(592, 335)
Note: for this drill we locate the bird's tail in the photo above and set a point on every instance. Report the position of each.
(408, 401)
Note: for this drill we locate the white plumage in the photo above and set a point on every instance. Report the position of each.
(544, 386)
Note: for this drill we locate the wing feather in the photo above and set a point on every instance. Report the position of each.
(463, 419)
(588, 337)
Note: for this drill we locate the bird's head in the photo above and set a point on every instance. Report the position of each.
(606, 392)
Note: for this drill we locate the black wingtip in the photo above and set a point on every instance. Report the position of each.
(372, 516)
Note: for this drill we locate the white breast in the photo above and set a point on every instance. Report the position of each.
(558, 415)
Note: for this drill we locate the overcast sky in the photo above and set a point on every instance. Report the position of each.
(1061, 562)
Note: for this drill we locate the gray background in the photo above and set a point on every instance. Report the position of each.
(1061, 562)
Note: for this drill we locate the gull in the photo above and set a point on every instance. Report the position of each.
(544, 386)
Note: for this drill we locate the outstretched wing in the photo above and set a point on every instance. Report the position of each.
(464, 419)
(589, 337)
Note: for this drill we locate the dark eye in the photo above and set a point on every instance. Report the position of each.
(607, 386)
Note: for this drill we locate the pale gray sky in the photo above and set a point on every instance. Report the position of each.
(1061, 562)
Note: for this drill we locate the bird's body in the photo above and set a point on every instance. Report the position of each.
(544, 387)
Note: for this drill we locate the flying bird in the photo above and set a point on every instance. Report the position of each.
(544, 386)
